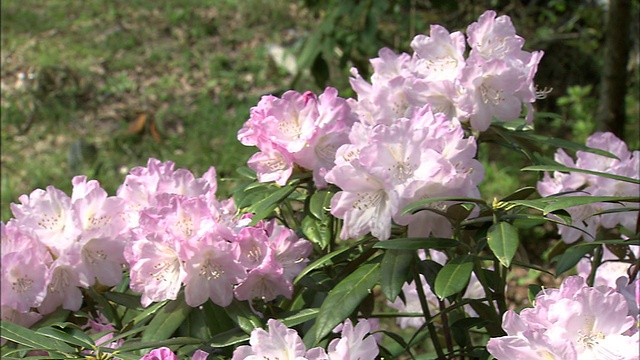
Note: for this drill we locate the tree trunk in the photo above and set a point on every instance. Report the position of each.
(613, 87)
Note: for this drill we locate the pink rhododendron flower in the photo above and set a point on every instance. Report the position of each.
(164, 353)
(354, 344)
(156, 269)
(573, 322)
(297, 129)
(279, 342)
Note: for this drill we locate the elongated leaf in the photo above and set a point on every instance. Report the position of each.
(420, 205)
(129, 301)
(71, 335)
(570, 201)
(324, 260)
(519, 194)
(532, 291)
(319, 203)
(228, 338)
(454, 276)
(395, 269)
(266, 206)
(571, 257)
(242, 315)
(167, 320)
(146, 314)
(417, 243)
(563, 168)
(345, 298)
(299, 317)
(139, 345)
(247, 172)
(503, 241)
(561, 143)
(32, 339)
(611, 242)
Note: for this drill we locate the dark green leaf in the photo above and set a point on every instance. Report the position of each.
(571, 257)
(565, 144)
(167, 320)
(300, 317)
(71, 335)
(421, 205)
(228, 338)
(31, 339)
(454, 276)
(324, 260)
(317, 231)
(247, 172)
(395, 268)
(147, 313)
(563, 168)
(139, 345)
(533, 290)
(560, 203)
(320, 71)
(503, 241)
(266, 206)
(241, 315)
(417, 243)
(345, 298)
(319, 203)
(520, 194)
(129, 301)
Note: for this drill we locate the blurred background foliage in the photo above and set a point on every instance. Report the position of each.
(96, 87)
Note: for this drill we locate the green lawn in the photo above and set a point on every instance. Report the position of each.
(78, 76)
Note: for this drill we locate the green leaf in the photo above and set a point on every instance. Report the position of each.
(571, 257)
(319, 203)
(264, 207)
(532, 291)
(142, 344)
(247, 172)
(454, 276)
(519, 194)
(300, 317)
(147, 313)
(503, 241)
(317, 231)
(241, 315)
(129, 301)
(32, 339)
(565, 144)
(228, 338)
(563, 168)
(417, 243)
(344, 299)
(421, 205)
(560, 203)
(394, 270)
(71, 335)
(320, 71)
(167, 320)
(324, 260)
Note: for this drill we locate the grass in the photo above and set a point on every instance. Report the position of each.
(77, 75)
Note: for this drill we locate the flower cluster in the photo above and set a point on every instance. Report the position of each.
(297, 129)
(584, 222)
(56, 245)
(495, 80)
(165, 225)
(573, 322)
(186, 236)
(386, 167)
(281, 342)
